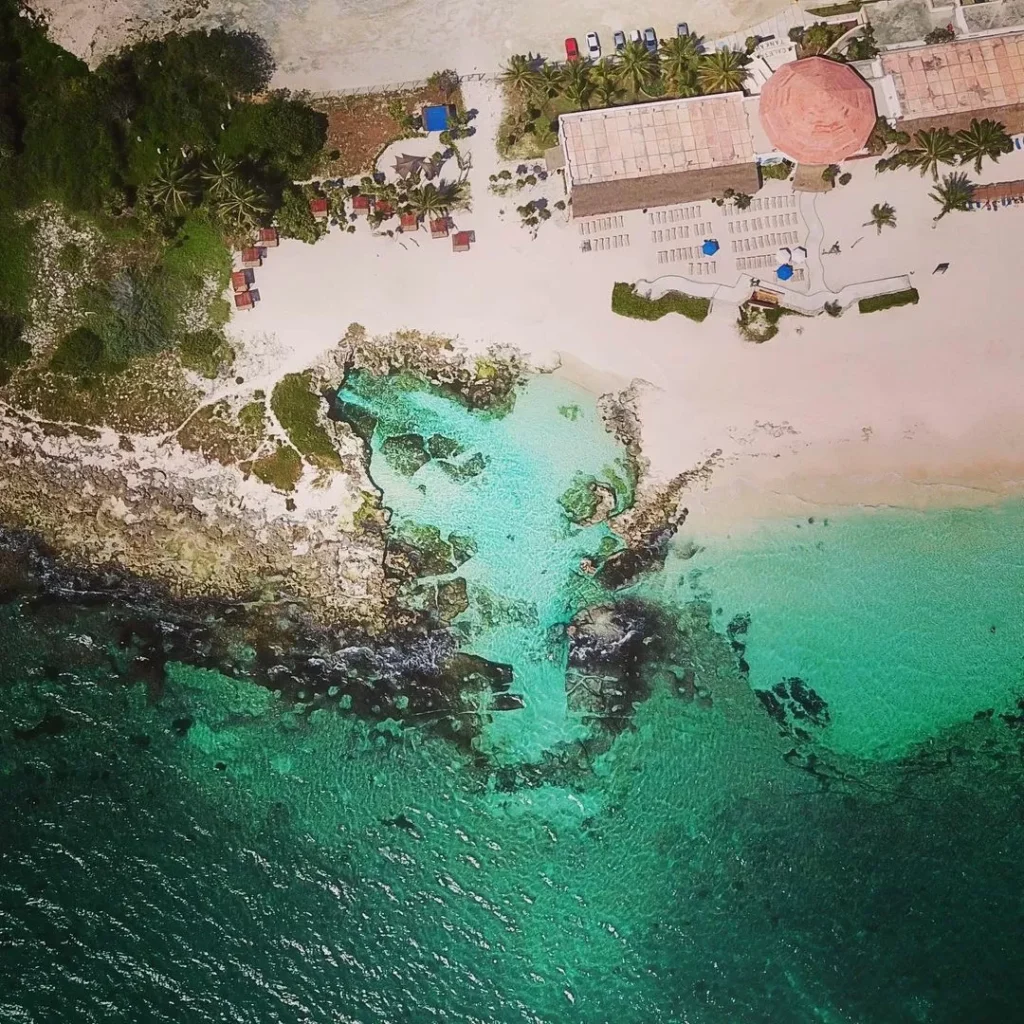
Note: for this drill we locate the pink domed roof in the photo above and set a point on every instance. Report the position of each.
(817, 111)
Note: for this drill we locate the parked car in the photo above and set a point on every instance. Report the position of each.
(651, 40)
(572, 49)
(636, 36)
(620, 41)
(682, 29)
(593, 46)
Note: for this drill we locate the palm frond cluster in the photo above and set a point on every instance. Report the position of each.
(679, 68)
(934, 147)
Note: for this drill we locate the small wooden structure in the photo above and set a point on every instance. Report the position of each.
(362, 205)
(765, 298)
(439, 227)
(384, 209)
(410, 222)
(241, 280)
(461, 240)
(245, 300)
(251, 257)
(268, 237)
(318, 207)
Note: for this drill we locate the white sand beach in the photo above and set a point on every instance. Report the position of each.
(341, 44)
(910, 406)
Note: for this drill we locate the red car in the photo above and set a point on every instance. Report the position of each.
(572, 49)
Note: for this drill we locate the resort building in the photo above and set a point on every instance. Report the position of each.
(817, 111)
(657, 154)
(948, 84)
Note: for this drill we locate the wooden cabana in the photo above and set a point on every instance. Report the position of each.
(362, 205)
(439, 227)
(410, 222)
(461, 241)
(244, 300)
(251, 257)
(318, 207)
(241, 280)
(268, 237)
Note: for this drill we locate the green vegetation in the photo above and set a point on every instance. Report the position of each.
(14, 350)
(206, 353)
(282, 470)
(626, 302)
(908, 297)
(983, 139)
(297, 408)
(537, 92)
(580, 500)
(937, 146)
(946, 34)
(163, 157)
(759, 323)
(883, 215)
(954, 192)
(884, 135)
(780, 170)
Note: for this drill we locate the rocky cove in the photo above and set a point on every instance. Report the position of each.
(332, 599)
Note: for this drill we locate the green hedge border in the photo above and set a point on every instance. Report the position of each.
(873, 303)
(626, 302)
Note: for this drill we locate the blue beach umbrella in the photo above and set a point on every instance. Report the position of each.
(785, 272)
(710, 247)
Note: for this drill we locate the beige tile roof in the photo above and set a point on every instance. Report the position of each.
(950, 78)
(664, 137)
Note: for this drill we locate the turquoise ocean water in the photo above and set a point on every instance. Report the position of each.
(198, 849)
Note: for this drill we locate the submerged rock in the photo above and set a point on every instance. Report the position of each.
(462, 471)
(405, 453)
(792, 701)
(441, 447)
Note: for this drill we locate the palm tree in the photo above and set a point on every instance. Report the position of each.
(983, 139)
(173, 186)
(435, 200)
(932, 147)
(220, 176)
(549, 81)
(576, 83)
(680, 56)
(722, 71)
(242, 205)
(955, 192)
(604, 82)
(636, 67)
(883, 215)
(519, 76)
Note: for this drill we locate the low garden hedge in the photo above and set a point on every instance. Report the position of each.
(626, 302)
(907, 297)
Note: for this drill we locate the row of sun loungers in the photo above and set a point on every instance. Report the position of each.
(592, 227)
(769, 241)
(765, 203)
(672, 216)
(602, 244)
(683, 231)
(690, 252)
(774, 220)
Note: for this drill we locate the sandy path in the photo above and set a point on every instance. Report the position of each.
(334, 44)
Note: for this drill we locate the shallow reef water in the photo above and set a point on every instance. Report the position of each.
(648, 838)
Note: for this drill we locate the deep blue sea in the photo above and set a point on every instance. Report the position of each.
(805, 805)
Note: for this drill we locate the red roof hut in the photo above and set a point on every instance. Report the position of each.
(384, 209)
(251, 258)
(268, 237)
(318, 207)
(362, 204)
(240, 281)
(410, 222)
(817, 111)
(244, 300)
(460, 241)
(439, 228)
